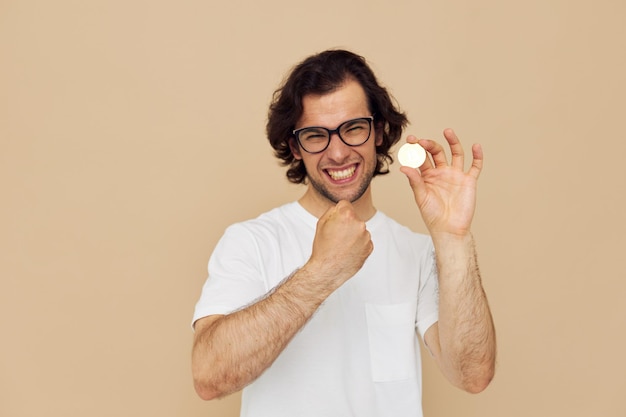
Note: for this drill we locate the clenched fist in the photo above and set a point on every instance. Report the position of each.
(341, 245)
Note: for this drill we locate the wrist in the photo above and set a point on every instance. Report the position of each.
(451, 238)
(456, 254)
(314, 280)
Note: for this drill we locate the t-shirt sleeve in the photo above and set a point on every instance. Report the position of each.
(235, 277)
(428, 295)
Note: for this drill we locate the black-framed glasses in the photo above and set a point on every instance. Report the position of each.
(354, 132)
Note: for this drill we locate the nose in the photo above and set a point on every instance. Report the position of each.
(337, 150)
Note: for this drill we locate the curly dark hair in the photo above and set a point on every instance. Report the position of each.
(321, 74)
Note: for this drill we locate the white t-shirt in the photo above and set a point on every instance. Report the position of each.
(358, 355)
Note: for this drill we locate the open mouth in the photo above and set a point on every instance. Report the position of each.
(341, 174)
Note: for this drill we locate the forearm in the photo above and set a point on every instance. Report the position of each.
(467, 343)
(235, 349)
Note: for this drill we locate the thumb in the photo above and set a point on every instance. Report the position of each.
(414, 175)
(339, 209)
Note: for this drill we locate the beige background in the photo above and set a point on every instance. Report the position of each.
(132, 134)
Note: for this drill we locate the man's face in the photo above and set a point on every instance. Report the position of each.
(340, 172)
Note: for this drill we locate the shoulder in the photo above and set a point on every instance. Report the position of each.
(268, 222)
(268, 226)
(274, 243)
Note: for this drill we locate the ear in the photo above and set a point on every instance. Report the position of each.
(295, 148)
(378, 133)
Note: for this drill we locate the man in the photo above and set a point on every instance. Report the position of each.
(312, 308)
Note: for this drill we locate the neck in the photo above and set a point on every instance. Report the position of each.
(317, 205)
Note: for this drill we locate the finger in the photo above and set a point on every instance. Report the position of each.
(436, 151)
(326, 217)
(343, 204)
(415, 179)
(456, 149)
(477, 160)
(346, 212)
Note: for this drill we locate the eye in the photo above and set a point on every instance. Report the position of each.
(313, 134)
(354, 127)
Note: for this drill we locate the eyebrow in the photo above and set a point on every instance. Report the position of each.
(353, 119)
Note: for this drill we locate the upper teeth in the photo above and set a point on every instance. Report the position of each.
(342, 174)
